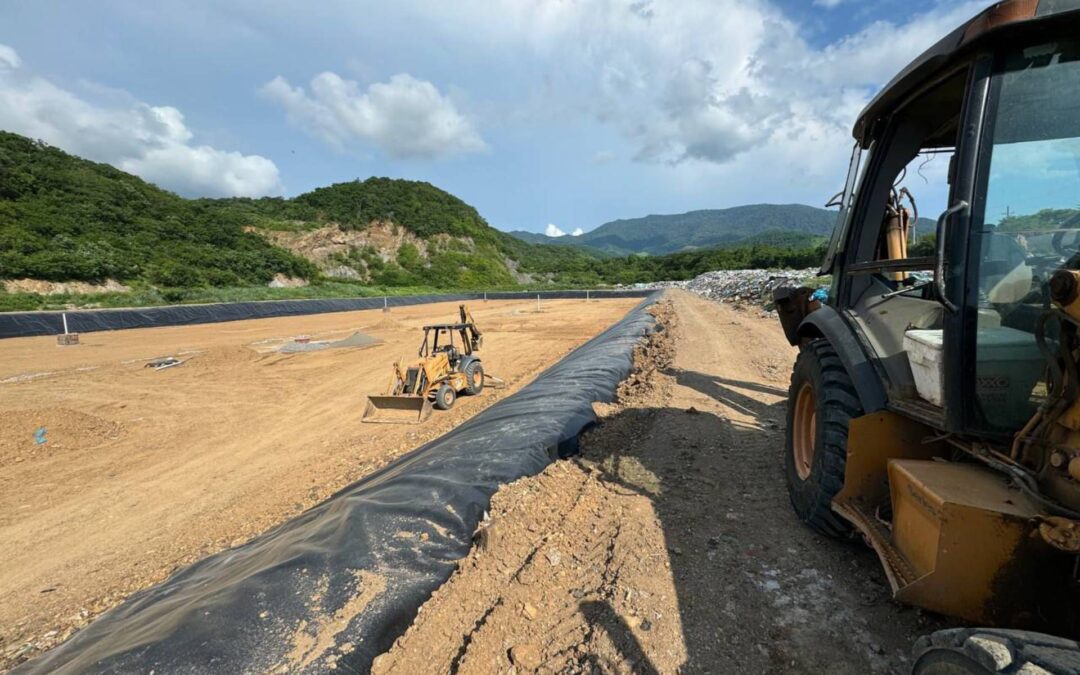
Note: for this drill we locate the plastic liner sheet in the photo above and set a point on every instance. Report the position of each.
(335, 586)
(25, 324)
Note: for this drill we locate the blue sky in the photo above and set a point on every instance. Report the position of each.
(537, 112)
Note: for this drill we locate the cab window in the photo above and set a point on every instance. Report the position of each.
(1028, 222)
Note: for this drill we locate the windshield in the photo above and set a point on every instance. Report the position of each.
(1030, 221)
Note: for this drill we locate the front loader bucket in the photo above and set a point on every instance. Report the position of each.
(397, 409)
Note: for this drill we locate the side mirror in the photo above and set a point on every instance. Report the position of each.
(939, 258)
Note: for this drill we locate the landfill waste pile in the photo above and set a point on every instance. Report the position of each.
(744, 287)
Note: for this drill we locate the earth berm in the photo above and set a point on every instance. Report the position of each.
(668, 545)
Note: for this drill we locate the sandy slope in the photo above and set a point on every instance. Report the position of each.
(147, 471)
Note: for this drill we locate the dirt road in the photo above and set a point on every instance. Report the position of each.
(144, 471)
(669, 545)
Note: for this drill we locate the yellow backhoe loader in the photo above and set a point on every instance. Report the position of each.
(445, 369)
(934, 408)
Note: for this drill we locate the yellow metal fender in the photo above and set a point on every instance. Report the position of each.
(959, 541)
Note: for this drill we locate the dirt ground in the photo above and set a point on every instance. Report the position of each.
(669, 545)
(145, 471)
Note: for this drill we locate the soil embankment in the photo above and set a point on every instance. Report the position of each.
(669, 544)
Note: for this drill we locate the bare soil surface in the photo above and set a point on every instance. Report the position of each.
(669, 544)
(142, 471)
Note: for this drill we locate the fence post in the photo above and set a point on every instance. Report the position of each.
(538, 302)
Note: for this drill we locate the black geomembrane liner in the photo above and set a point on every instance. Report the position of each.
(239, 610)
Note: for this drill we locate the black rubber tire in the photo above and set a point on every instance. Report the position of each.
(474, 378)
(445, 397)
(836, 404)
(992, 651)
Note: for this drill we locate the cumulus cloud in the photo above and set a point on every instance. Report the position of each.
(554, 231)
(864, 59)
(8, 57)
(704, 81)
(150, 141)
(404, 117)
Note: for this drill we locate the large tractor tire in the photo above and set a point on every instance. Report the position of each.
(991, 651)
(445, 397)
(474, 378)
(821, 402)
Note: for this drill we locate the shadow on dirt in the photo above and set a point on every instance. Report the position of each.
(757, 591)
(601, 616)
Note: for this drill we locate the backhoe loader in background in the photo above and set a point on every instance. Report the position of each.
(934, 407)
(444, 370)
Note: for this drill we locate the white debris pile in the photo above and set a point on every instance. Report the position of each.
(753, 287)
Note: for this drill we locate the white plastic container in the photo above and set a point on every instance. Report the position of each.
(926, 354)
(1008, 367)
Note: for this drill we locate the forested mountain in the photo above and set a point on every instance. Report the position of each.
(775, 224)
(77, 233)
(63, 218)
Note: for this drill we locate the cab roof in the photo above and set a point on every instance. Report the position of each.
(1000, 21)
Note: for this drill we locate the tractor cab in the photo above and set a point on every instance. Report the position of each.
(934, 408)
(982, 132)
(439, 341)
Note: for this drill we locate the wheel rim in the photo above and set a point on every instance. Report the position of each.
(804, 431)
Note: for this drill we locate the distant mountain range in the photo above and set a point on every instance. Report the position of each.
(778, 224)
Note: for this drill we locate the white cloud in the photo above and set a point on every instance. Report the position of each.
(8, 57)
(150, 141)
(701, 81)
(828, 4)
(405, 117)
(864, 59)
(555, 231)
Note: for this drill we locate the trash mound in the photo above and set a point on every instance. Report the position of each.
(357, 339)
(743, 286)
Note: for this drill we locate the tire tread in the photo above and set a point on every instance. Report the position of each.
(838, 404)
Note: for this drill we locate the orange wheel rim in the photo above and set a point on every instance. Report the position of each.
(804, 430)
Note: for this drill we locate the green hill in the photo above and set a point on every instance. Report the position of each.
(66, 219)
(63, 218)
(386, 232)
(79, 233)
(779, 224)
